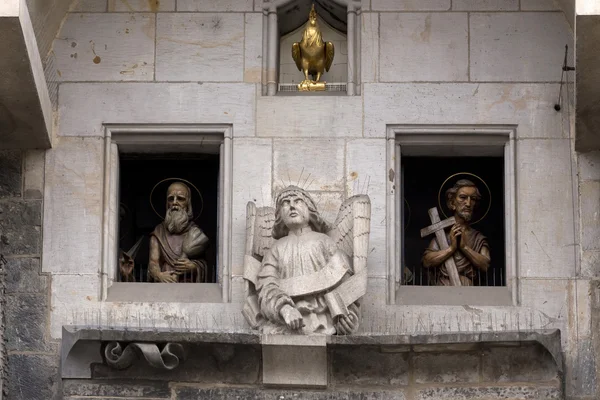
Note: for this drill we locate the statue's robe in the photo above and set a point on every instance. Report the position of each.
(190, 243)
(466, 270)
(306, 265)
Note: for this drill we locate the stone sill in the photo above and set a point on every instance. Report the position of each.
(81, 346)
(142, 292)
(454, 296)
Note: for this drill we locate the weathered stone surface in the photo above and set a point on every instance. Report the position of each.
(590, 263)
(446, 367)
(368, 366)
(485, 5)
(329, 116)
(116, 388)
(105, 47)
(26, 322)
(89, 6)
(589, 165)
(523, 392)
(73, 206)
(20, 230)
(23, 276)
(545, 244)
(518, 364)
(410, 5)
(548, 296)
(589, 198)
(500, 41)
(526, 105)
(325, 165)
(10, 173)
(427, 46)
(155, 103)
(200, 47)
(253, 51)
(32, 377)
(214, 5)
(540, 5)
(369, 50)
(33, 179)
(141, 5)
(194, 393)
(252, 161)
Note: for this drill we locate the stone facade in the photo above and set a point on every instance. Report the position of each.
(427, 62)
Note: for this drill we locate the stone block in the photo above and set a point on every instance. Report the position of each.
(253, 51)
(540, 5)
(329, 116)
(545, 245)
(369, 47)
(446, 368)
(26, 322)
(517, 392)
(141, 5)
(20, 227)
(105, 47)
(73, 206)
(590, 263)
(423, 47)
(365, 174)
(186, 392)
(549, 296)
(589, 198)
(323, 170)
(23, 276)
(526, 105)
(517, 46)
(518, 364)
(252, 163)
(214, 5)
(89, 6)
(200, 47)
(589, 165)
(485, 5)
(33, 179)
(155, 103)
(32, 377)
(367, 366)
(120, 389)
(10, 173)
(582, 308)
(294, 361)
(410, 5)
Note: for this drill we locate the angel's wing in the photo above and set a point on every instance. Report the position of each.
(329, 53)
(297, 55)
(351, 230)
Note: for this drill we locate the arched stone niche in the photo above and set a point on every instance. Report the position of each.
(283, 23)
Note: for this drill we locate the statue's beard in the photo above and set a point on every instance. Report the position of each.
(176, 220)
(465, 215)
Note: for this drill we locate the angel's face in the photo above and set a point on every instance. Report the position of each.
(294, 212)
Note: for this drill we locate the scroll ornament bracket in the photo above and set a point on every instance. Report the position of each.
(122, 355)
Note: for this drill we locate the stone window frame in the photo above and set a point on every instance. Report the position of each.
(497, 140)
(271, 42)
(147, 138)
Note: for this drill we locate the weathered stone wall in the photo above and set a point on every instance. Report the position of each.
(32, 368)
(422, 62)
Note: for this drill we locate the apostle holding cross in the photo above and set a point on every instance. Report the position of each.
(458, 253)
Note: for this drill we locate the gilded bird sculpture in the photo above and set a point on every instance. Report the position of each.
(312, 55)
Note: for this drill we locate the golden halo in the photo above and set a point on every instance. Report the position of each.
(465, 173)
(178, 180)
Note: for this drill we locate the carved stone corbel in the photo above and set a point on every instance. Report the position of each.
(122, 356)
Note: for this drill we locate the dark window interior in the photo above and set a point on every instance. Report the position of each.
(422, 178)
(139, 173)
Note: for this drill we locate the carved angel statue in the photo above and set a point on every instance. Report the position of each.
(304, 275)
(312, 55)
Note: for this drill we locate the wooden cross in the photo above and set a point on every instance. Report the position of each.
(437, 227)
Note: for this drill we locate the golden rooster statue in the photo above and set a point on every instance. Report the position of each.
(312, 55)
